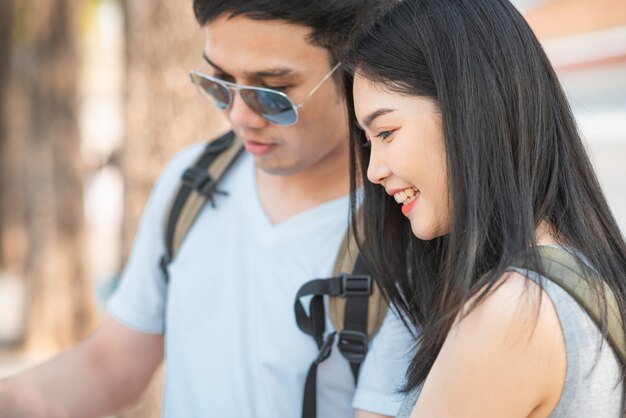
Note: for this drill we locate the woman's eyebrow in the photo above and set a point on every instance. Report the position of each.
(372, 116)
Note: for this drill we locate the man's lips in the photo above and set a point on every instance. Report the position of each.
(257, 148)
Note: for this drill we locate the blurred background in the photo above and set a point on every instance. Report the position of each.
(95, 98)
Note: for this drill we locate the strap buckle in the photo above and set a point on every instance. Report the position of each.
(202, 182)
(353, 345)
(199, 180)
(356, 284)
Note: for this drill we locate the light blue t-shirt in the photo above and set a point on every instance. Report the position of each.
(233, 348)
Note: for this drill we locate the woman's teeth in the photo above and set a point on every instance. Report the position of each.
(406, 196)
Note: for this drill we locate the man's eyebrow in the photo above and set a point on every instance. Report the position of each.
(211, 63)
(370, 118)
(272, 72)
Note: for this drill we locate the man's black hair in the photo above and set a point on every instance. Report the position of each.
(331, 21)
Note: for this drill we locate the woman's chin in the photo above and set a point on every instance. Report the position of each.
(421, 233)
(426, 232)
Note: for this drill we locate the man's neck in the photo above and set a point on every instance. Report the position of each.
(285, 196)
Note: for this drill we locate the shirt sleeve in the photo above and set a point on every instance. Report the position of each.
(382, 374)
(139, 301)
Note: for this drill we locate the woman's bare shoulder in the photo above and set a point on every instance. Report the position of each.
(504, 357)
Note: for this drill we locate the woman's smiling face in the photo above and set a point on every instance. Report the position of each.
(408, 156)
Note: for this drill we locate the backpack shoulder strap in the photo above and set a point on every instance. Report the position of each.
(359, 312)
(356, 308)
(350, 260)
(198, 185)
(564, 269)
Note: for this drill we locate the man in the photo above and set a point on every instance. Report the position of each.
(225, 320)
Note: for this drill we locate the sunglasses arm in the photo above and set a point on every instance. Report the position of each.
(318, 85)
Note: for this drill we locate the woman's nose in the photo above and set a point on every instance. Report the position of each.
(377, 169)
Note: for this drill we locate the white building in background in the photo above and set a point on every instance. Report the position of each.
(592, 70)
(587, 48)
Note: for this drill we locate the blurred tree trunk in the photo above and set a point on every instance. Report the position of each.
(61, 309)
(6, 27)
(163, 113)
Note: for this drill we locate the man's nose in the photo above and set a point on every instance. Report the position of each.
(242, 116)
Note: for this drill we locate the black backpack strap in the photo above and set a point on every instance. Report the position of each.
(357, 316)
(564, 269)
(199, 185)
(314, 324)
(353, 338)
(346, 285)
(357, 310)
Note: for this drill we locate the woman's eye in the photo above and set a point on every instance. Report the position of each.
(384, 135)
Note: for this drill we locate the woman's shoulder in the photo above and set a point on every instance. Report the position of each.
(504, 355)
(516, 321)
(593, 384)
(515, 306)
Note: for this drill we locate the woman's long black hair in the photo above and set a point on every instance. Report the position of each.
(514, 159)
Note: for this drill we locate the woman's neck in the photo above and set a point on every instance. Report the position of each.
(545, 234)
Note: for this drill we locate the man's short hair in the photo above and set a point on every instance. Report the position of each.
(332, 22)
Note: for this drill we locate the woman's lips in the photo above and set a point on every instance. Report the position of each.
(407, 208)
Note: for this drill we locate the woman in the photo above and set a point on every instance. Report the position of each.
(460, 118)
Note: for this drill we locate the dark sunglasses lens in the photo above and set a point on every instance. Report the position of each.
(273, 107)
(213, 90)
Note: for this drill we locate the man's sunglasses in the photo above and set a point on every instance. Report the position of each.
(272, 105)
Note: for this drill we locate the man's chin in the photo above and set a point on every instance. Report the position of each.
(276, 168)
